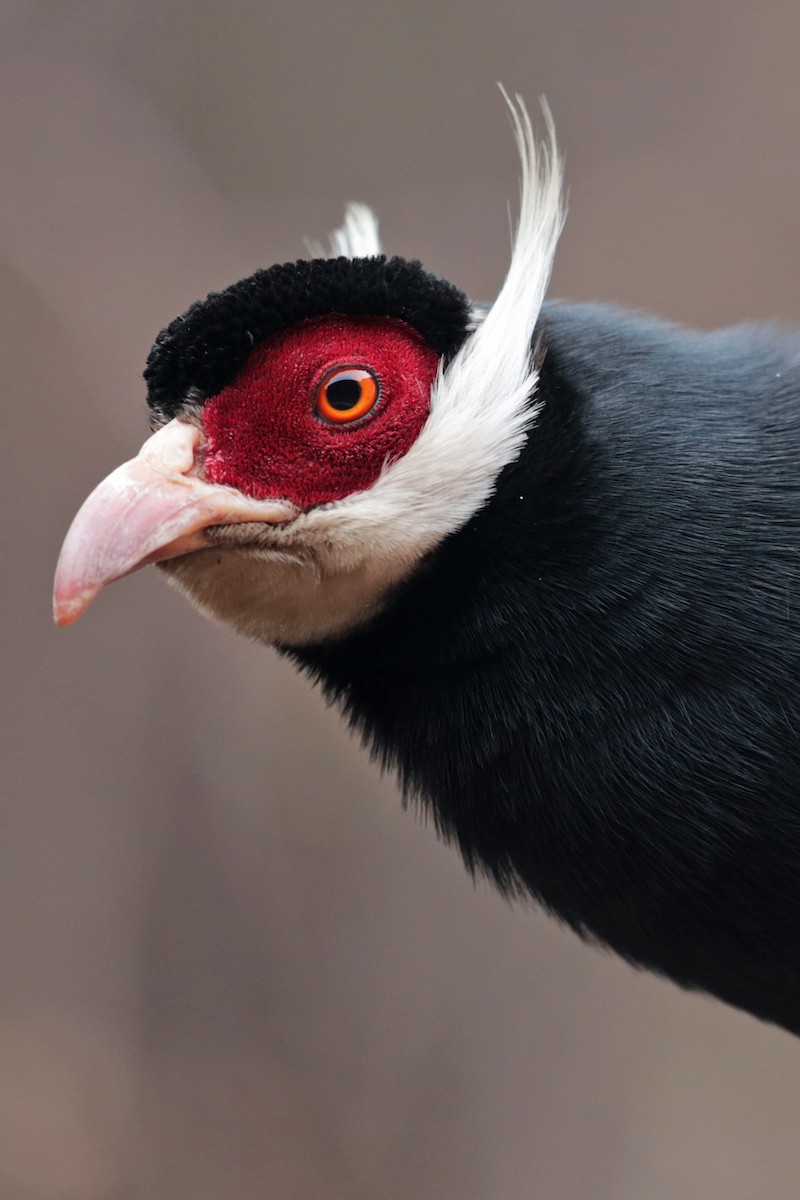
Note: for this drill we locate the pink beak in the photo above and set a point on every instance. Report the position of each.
(150, 509)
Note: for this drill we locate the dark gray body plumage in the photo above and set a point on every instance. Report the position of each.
(594, 686)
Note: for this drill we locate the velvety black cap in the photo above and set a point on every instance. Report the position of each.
(200, 352)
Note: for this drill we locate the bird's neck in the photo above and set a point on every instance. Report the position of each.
(458, 670)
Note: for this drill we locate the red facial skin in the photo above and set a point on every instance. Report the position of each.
(265, 437)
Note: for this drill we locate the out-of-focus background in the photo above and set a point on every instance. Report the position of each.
(232, 967)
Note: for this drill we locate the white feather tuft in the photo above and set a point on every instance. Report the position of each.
(481, 404)
(357, 237)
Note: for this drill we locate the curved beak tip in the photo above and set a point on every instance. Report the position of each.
(67, 609)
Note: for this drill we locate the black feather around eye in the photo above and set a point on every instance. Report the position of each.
(202, 351)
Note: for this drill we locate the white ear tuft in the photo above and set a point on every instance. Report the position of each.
(482, 404)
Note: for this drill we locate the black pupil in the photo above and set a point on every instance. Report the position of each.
(342, 394)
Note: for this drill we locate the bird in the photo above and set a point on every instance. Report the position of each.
(544, 557)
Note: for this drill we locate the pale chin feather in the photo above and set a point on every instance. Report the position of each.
(282, 598)
(333, 567)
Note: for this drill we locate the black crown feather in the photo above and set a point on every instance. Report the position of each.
(203, 350)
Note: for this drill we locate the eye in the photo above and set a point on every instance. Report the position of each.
(346, 394)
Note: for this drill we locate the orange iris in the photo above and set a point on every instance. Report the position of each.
(346, 394)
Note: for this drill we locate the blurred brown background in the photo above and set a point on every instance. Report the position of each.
(231, 967)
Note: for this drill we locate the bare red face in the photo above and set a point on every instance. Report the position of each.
(319, 408)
